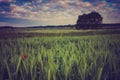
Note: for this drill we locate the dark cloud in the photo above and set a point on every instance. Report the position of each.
(116, 3)
(6, 0)
(5, 6)
(21, 2)
(93, 1)
(113, 1)
(46, 1)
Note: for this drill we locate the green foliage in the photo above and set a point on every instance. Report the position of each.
(61, 58)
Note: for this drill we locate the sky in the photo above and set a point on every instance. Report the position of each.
(20, 13)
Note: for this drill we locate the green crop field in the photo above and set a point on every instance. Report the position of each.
(70, 57)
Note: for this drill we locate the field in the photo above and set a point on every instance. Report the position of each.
(59, 54)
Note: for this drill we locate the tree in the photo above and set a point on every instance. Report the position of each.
(89, 21)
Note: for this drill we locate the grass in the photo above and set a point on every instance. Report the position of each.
(36, 32)
(90, 57)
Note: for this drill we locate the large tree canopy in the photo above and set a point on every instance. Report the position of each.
(88, 21)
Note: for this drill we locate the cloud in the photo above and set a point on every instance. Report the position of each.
(5, 6)
(46, 12)
(113, 1)
(102, 5)
(83, 4)
(6, 0)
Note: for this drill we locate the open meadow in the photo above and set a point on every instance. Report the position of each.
(32, 54)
